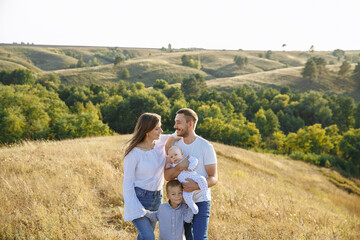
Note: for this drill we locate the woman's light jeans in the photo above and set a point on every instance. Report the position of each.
(151, 200)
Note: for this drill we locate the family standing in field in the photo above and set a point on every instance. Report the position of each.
(187, 161)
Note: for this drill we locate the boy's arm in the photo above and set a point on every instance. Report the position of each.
(171, 173)
(152, 215)
(188, 215)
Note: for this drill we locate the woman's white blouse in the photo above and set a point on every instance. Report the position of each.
(143, 169)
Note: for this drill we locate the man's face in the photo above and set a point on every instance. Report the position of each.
(181, 125)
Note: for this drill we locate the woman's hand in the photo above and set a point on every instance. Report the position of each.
(170, 142)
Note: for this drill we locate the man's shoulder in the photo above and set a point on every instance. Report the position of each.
(202, 141)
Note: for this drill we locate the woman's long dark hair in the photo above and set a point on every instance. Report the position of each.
(145, 123)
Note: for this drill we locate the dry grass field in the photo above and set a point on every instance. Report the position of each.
(72, 189)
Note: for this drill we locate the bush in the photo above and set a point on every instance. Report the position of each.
(17, 76)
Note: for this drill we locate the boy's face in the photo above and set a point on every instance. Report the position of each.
(175, 155)
(175, 195)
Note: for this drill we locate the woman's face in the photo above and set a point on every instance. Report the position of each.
(155, 133)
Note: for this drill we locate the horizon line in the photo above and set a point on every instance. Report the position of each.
(197, 48)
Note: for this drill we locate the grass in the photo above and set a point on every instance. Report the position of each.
(147, 71)
(103, 75)
(275, 78)
(47, 60)
(41, 58)
(4, 64)
(72, 189)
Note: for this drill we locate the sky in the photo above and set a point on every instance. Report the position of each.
(209, 24)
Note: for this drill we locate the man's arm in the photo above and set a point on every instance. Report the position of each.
(212, 179)
(171, 173)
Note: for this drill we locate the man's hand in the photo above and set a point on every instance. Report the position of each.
(171, 173)
(185, 163)
(211, 179)
(190, 186)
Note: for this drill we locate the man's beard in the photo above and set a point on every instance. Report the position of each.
(184, 133)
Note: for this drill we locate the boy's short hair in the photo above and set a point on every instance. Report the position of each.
(190, 115)
(173, 183)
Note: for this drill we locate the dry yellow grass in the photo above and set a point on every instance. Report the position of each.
(73, 190)
(279, 77)
(4, 64)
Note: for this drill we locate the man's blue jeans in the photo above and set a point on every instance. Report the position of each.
(151, 201)
(198, 228)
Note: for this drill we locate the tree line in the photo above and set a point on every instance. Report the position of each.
(315, 67)
(316, 127)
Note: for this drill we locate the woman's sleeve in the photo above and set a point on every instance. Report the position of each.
(133, 208)
(160, 144)
(162, 140)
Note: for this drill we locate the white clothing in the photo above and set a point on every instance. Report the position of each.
(143, 169)
(200, 180)
(205, 153)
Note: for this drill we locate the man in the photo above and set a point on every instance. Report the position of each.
(193, 145)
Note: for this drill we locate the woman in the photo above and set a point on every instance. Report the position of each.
(144, 163)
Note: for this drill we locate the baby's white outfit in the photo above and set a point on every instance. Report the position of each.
(200, 180)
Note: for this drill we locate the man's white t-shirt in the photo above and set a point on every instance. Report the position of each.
(205, 153)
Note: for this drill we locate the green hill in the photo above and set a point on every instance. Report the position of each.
(148, 70)
(280, 69)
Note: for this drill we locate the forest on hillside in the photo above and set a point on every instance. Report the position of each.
(316, 127)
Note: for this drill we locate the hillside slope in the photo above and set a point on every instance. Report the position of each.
(146, 65)
(73, 189)
(290, 77)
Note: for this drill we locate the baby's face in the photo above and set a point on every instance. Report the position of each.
(175, 155)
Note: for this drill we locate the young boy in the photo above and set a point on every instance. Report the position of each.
(173, 214)
(176, 156)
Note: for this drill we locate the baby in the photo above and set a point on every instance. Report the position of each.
(176, 156)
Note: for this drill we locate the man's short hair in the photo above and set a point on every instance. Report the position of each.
(173, 183)
(190, 115)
